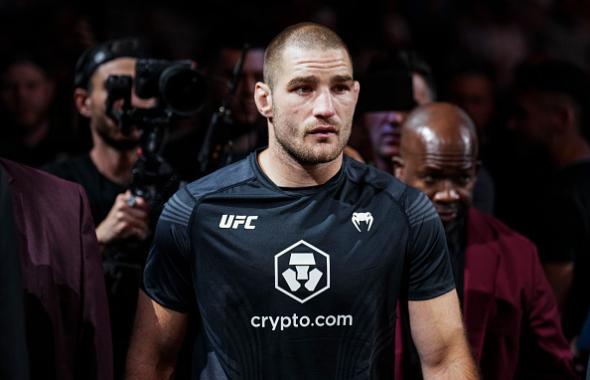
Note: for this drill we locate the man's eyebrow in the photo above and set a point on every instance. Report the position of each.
(302, 80)
(341, 78)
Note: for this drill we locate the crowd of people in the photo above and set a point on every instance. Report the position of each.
(431, 189)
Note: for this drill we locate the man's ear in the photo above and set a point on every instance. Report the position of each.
(82, 102)
(356, 88)
(263, 99)
(398, 166)
(564, 116)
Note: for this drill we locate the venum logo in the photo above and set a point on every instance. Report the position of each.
(235, 221)
(302, 271)
(359, 218)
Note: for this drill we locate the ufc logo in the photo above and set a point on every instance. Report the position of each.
(235, 221)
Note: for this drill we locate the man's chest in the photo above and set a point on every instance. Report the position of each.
(298, 250)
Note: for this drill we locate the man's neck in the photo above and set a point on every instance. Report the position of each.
(113, 164)
(33, 137)
(385, 164)
(284, 171)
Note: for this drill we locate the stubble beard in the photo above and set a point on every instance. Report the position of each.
(109, 134)
(291, 140)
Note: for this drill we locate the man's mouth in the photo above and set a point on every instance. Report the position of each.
(391, 138)
(325, 131)
(447, 213)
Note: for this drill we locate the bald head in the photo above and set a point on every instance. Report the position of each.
(305, 35)
(439, 126)
(438, 155)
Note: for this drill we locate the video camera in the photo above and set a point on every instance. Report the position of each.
(179, 91)
(178, 88)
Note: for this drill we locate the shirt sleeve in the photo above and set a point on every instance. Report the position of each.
(94, 355)
(429, 268)
(168, 270)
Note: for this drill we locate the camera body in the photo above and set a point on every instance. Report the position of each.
(178, 88)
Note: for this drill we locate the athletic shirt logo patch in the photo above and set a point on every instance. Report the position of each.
(302, 271)
(362, 221)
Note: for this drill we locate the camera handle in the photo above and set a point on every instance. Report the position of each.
(150, 173)
(222, 115)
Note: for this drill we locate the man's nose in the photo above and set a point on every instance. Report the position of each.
(395, 117)
(446, 194)
(324, 105)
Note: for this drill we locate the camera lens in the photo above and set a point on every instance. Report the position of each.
(182, 89)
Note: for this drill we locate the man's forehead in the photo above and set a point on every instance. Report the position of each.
(295, 59)
(426, 142)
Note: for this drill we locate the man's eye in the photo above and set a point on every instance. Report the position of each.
(428, 179)
(464, 179)
(341, 88)
(302, 90)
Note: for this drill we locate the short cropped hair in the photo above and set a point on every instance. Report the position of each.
(305, 35)
(558, 77)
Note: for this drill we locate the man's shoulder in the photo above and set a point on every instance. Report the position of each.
(362, 174)
(180, 206)
(70, 168)
(36, 180)
(228, 176)
(41, 188)
(488, 228)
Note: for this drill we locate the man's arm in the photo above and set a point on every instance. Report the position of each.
(437, 331)
(560, 277)
(157, 337)
(555, 356)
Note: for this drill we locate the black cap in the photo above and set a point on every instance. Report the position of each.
(388, 90)
(92, 58)
(554, 76)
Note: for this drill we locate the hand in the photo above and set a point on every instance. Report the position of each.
(124, 221)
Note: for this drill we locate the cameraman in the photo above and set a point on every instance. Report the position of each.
(105, 173)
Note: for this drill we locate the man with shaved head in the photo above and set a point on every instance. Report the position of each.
(271, 255)
(510, 313)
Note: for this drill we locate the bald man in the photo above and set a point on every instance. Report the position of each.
(510, 312)
(272, 254)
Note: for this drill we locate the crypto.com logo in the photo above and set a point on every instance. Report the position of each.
(302, 271)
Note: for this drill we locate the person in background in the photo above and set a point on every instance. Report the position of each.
(66, 318)
(122, 220)
(30, 131)
(239, 131)
(511, 315)
(552, 118)
(392, 88)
